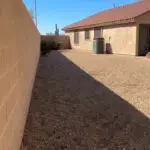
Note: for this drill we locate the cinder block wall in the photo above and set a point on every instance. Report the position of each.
(19, 54)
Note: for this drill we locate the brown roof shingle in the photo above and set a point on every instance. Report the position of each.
(125, 12)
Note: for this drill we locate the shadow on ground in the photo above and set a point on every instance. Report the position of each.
(72, 111)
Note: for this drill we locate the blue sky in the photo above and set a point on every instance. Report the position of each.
(65, 12)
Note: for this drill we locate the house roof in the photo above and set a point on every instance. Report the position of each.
(118, 14)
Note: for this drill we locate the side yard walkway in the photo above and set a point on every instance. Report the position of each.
(72, 109)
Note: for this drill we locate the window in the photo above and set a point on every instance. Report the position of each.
(87, 35)
(76, 37)
(98, 33)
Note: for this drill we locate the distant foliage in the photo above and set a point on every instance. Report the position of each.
(48, 46)
(51, 33)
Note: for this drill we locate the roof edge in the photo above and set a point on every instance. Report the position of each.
(148, 11)
(118, 22)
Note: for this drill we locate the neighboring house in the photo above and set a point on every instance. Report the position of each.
(126, 29)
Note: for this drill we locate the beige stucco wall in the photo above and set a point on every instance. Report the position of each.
(121, 38)
(19, 53)
(85, 45)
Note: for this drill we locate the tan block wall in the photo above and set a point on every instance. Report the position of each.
(62, 39)
(19, 53)
(122, 39)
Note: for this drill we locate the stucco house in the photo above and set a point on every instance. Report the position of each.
(125, 29)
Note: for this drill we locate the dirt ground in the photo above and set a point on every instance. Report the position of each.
(83, 101)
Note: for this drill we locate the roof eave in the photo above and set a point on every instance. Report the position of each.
(118, 22)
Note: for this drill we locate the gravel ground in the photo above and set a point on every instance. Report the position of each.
(83, 101)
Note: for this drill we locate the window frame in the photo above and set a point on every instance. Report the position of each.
(76, 37)
(98, 33)
(87, 34)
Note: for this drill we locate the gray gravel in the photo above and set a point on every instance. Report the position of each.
(83, 101)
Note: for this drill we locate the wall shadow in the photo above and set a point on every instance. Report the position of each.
(71, 110)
